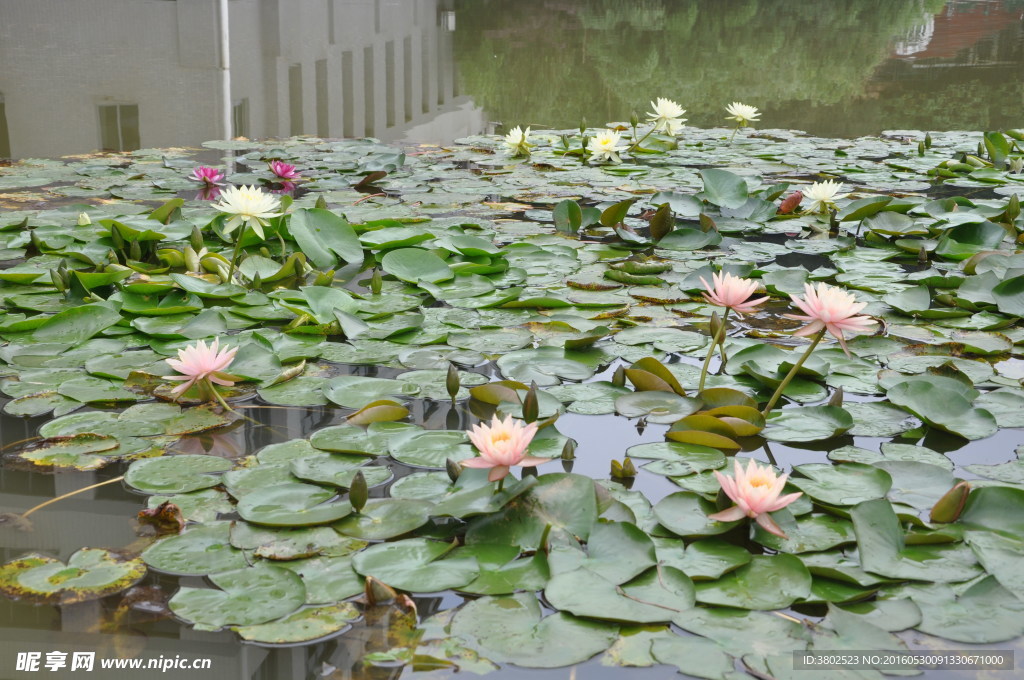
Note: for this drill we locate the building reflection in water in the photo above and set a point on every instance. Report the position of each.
(127, 74)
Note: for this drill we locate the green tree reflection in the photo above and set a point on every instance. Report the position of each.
(803, 62)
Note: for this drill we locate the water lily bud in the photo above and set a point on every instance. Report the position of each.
(83, 219)
(981, 149)
(583, 125)
(58, 282)
(376, 282)
(623, 470)
(565, 142)
(634, 119)
(191, 259)
(920, 148)
(135, 251)
(837, 398)
(222, 268)
(586, 141)
(922, 255)
(264, 251)
(257, 281)
(376, 592)
(358, 491)
(531, 407)
(1013, 208)
(321, 202)
(453, 469)
(716, 325)
(452, 381)
(619, 377)
(324, 278)
(569, 450)
(949, 507)
(195, 239)
(706, 223)
(927, 140)
(116, 238)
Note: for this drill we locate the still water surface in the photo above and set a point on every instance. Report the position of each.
(129, 74)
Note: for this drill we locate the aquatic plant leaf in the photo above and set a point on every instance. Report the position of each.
(511, 629)
(176, 474)
(199, 550)
(766, 582)
(89, 574)
(246, 597)
(416, 565)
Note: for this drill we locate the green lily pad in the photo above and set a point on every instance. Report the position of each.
(655, 596)
(686, 514)
(327, 579)
(302, 626)
(808, 424)
(247, 597)
(199, 550)
(745, 588)
(292, 504)
(176, 474)
(511, 629)
(352, 391)
(416, 565)
(384, 518)
(430, 448)
(845, 484)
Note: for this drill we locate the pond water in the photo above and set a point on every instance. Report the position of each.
(429, 71)
(426, 73)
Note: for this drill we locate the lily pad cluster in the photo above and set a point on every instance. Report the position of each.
(535, 288)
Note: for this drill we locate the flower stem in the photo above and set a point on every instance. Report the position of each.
(69, 494)
(718, 339)
(234, 255)
(638, 143)
(792, 372)
(501, 485)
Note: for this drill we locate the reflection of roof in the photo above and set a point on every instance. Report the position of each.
(960, 26)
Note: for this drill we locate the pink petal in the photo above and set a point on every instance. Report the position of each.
(731, 515)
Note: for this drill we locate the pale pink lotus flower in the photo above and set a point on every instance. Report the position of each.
(732, 292)
(209, 192)
(284, 170)
(502, 444)
(831, 308)
(202, 365)
(756, 493)
(207, 175)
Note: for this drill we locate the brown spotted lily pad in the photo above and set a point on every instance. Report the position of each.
(90, 574)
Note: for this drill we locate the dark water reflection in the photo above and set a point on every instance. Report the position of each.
(147, 74)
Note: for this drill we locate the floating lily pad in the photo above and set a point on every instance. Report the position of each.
(247, 597)
(89, 574)
(292, 504)
(416, 565)
(176, 474)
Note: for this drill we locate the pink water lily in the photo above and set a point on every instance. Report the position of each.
(203, 366)
(756, 493)
(732, 292)
(502, 444)
(207, 175)
(284, 170)
(830, 308)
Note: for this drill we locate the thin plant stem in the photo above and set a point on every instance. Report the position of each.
(637, 144)
(69, 494)
(234, 255)
(735, 130)
(501, 485)
(718, 339)
(792, 372)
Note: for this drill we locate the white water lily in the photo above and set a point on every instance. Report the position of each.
(517, 141)
(667, 115)
(823, 195)
(1017, 164)
(605, 146)
(742, 113)
(248, 206)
